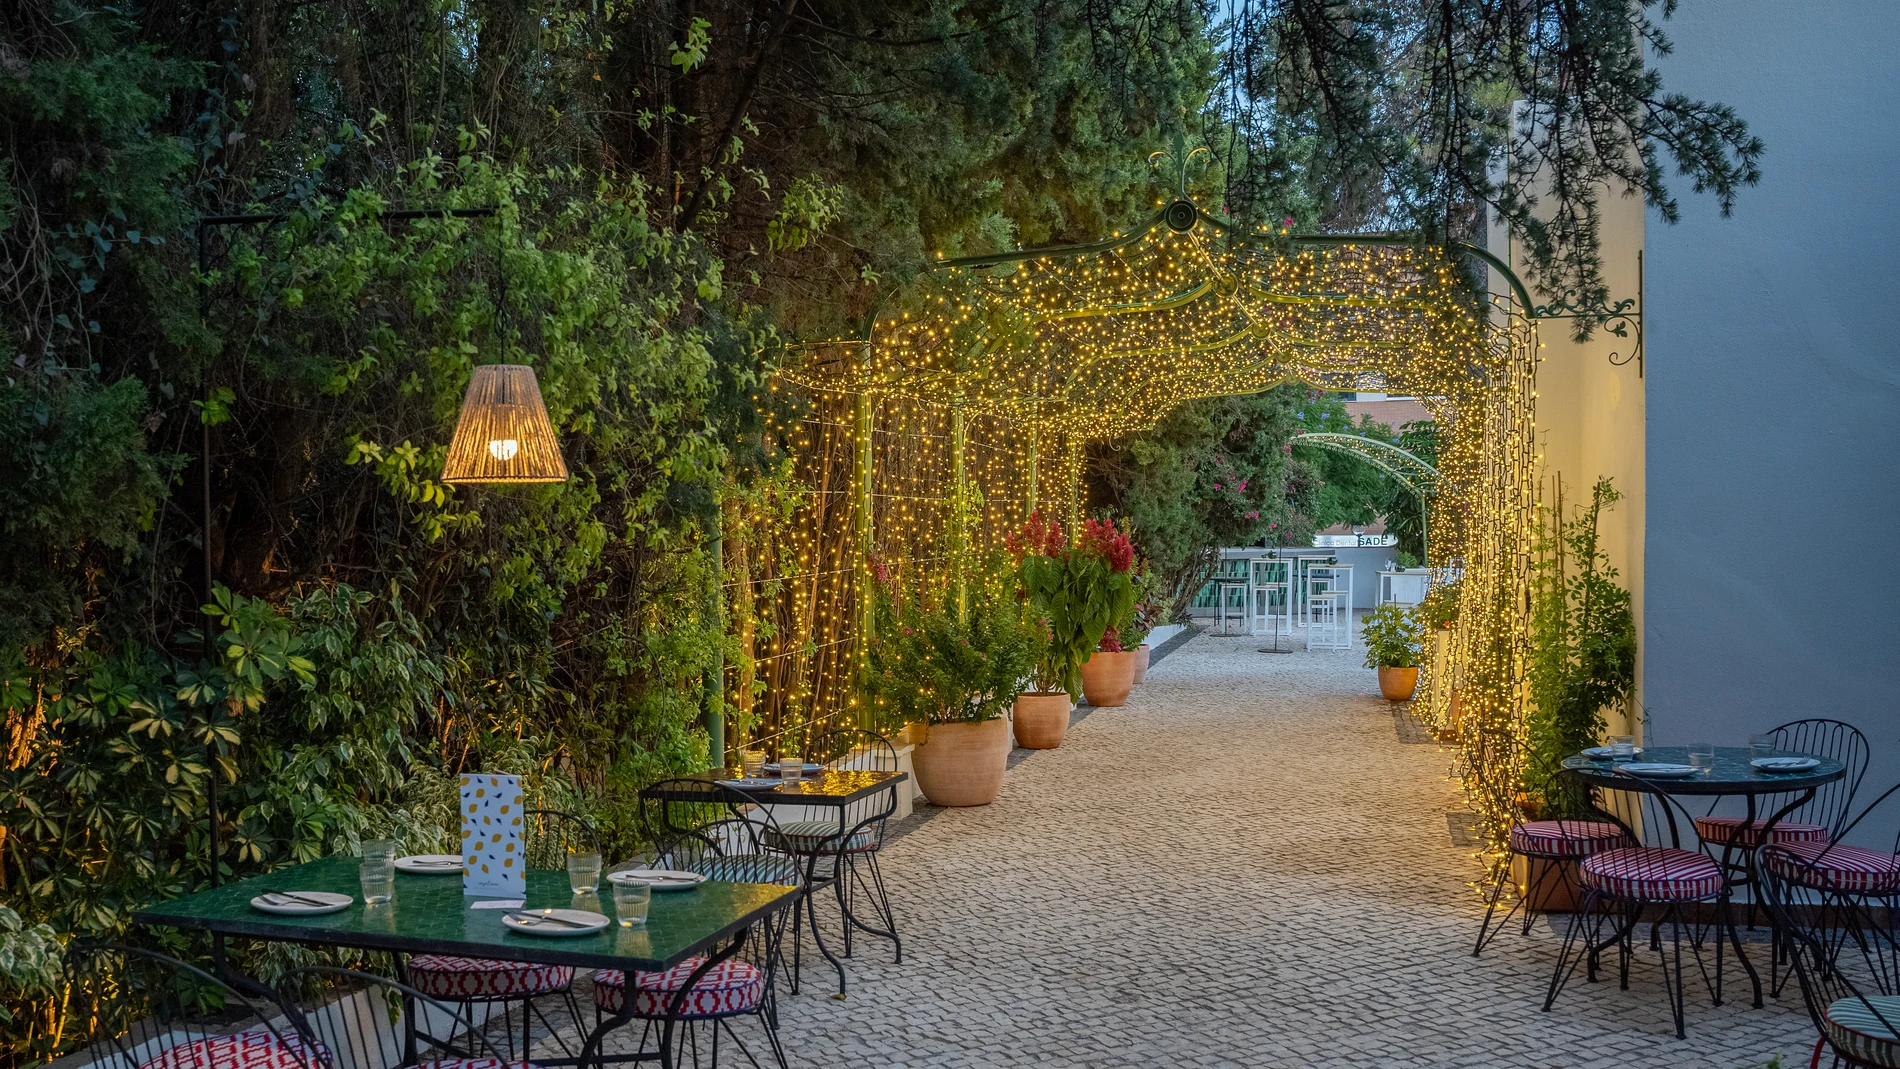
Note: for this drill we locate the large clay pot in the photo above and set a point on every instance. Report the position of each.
(1107, 678)
(1141, 662)
(1042, 720)
(963, 764)
(1547, 886)
(1397, 684)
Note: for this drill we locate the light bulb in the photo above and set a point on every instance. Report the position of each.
(503, 448)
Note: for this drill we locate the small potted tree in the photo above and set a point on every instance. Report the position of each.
(1393, 640)
(959, 674)
(1085, 594)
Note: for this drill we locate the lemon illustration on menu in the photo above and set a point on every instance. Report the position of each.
(494, 859)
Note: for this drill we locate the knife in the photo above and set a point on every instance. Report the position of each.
(536, 918)
(268, 893)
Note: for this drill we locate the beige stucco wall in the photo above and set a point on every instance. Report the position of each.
(1590, 412)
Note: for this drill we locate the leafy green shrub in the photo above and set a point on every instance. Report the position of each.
(1083, 592)
(926, 664)
(1393, 637)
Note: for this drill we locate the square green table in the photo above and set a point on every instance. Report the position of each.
(429, 915)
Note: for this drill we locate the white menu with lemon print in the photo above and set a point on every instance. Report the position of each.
(494, 857)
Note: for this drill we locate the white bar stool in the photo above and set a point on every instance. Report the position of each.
(1222, 588)
(1328, 625)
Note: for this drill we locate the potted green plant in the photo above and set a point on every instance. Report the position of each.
(1085, 594)
(958, 673)
(1393, 639)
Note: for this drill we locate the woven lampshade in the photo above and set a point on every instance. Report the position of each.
(503, 435)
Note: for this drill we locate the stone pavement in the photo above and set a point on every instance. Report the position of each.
(1243, 866)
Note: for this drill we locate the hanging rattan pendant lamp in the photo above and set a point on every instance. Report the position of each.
(503, 435)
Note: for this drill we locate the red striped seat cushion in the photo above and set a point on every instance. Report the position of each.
(1744, 832)
(727, 988)
(1652, 874)
(456, 979)
(1566, 838)
(1838, 867)
(242, 1050)
(822, 837)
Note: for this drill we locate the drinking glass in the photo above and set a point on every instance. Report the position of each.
(790, 769)
(1623, 746)
(753, 763)
(1761, 746)
(583, 868)
(631, 898)
(1702, 756)
(378, 870)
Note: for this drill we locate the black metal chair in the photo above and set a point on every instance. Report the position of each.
(702, 827)
(143, 1010)
(1852, 892)
(361, 1019)
(1851, 999)
(1564, 832)
(843, 853)
(490, 984)
(1662, 878)
(1821, 817)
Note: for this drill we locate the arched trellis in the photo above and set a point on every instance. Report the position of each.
(1417, 477)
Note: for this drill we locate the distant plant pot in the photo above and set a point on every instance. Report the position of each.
(1142, 653)
(1042, 719)
(1108, 677)
(962, 764)
(1398, 684)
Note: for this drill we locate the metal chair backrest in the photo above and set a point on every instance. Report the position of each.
(366, 1021)
(1649, 814)
(704, 827)
(139, 1008)
(857, 750)
(1811, 930)
(548, 835)
(1823, 738)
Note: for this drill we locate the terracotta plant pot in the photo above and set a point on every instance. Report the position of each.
(1142, 653)
(1397, 684)
(963, 764)
(1545, 890)
(1107, 678)
(1042, 720)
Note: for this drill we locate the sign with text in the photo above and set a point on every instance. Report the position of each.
(1351, 541)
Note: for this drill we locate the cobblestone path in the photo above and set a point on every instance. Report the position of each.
(1243, 866)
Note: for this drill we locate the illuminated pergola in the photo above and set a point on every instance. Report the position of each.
(939, 430)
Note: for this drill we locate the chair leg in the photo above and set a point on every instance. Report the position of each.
(1497, 892)
(1565, 963)
(1678, 996)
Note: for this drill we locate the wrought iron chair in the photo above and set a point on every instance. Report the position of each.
(1852, 1001)
(834, 851)
(703, 827)
(361, 1019)
(469, 983)
(143, 1010)
(1821, 817)
(1853, 892)
(1662, 877)
(1564, 832)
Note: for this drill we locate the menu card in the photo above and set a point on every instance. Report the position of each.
(494, 858)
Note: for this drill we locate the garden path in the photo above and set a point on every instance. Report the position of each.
(1243, 866)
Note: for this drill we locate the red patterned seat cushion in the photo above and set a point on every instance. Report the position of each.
(1566, 838)
(727, 988)
(823, 837)
(243, 1050)
(1839, 867)
(1744, 832)
(1652, 874)
(456, 979)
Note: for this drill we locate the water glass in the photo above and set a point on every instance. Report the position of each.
(753, 763)
(1761, 746)
(1702, 756)
(583, 868)
(631, 898)
(790, 769)
(1622, 747)
(378, 871)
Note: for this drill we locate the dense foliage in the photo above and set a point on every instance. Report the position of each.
(1394, 636)
(926, 663)
(1082, 592)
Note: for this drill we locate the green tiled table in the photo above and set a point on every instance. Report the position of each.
(429, 915)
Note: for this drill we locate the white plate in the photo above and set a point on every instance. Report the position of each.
(290, 907)
(1660, 770)
(660, 879)
(1604, 753)
(809, 768)
(1785, 764)
(431, 864)
(756, 783)
(594, 922)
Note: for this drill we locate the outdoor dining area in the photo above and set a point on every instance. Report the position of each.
(484, 958)
(1662, 850)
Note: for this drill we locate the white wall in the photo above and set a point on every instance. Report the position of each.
(1773, 377)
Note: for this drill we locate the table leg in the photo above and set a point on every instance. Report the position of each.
(811, 915)
(1728, 914)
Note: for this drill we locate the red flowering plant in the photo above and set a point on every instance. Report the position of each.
(1083, 592)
